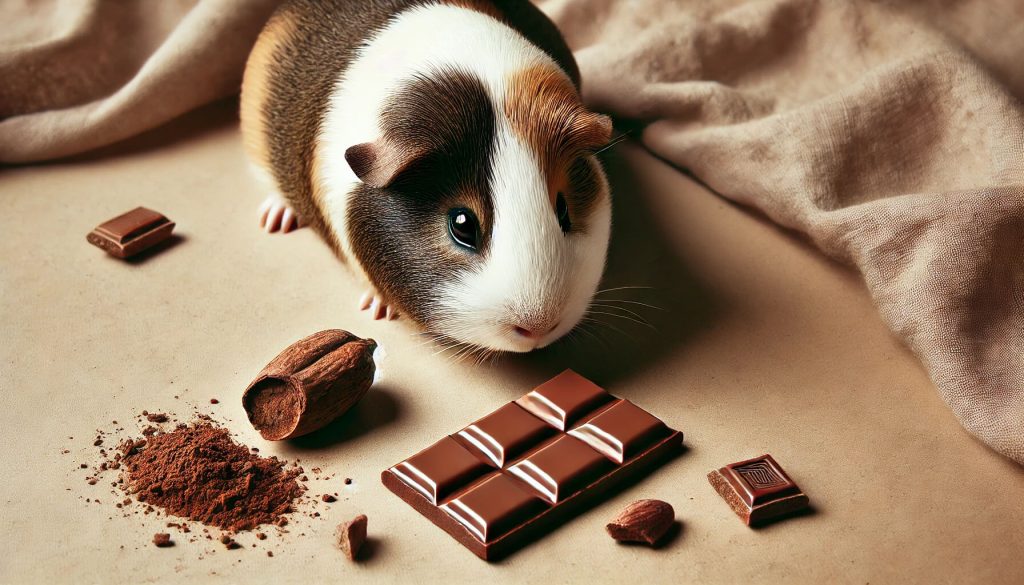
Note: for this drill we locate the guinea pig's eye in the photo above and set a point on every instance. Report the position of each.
(562, 211)
(463, 227)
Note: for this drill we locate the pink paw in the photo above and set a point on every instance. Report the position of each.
(276, 215)
(379, 309)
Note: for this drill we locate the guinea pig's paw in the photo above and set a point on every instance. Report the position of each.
(276, 214)
(378, 307)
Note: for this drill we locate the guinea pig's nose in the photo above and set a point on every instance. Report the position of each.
(533, 333)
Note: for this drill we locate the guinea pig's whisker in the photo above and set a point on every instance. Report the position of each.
(626, 317)
(623, 309)
(615, 329)
(612, 143)
(601, 327)
(632, 302)
(605, 290)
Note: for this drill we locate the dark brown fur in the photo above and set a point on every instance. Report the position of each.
(449, 119)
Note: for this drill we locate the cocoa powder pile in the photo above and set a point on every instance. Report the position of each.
(198, 472)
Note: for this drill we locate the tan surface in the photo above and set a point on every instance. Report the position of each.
(764, 347)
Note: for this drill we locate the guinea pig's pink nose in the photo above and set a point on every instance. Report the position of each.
(533, 333)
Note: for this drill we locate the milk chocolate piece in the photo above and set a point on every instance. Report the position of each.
(131, 232)
(516, 473)
(758, 490)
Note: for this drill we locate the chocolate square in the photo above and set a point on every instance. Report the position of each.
(621, 431)
(561, 468)
(564, 399)
(440, 469)
(504, 434)
(131, 232)
(492, 507)
(758, 490)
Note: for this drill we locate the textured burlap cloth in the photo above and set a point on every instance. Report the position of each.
(891, 134)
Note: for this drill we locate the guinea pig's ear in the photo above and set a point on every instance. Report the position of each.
(590, 131)
(379, 163)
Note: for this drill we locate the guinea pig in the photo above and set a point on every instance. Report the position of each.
(441, 149)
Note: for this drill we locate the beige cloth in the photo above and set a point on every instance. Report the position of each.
(892, 135)
(79, 74)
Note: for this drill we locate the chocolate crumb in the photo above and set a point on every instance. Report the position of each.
(157, 417)
(261, 536)
(270, 553)
(149, 431)
(91, 481)
(82, 466)
(328, 498)
(214, 401)
(232, 545)
(351, 536)
(162, 540)
(97, 442)
(348, 481)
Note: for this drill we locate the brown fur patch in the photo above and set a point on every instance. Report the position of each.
(545, 111)
(256, 86)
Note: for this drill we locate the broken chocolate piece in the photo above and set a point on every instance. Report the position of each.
(516, 473)
(758, 490)
(351, 536)
(131, 232)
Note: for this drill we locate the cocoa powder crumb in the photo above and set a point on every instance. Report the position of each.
(162, 540)
(199, 472)
(149, 431)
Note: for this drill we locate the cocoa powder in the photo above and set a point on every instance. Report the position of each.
(198, 472)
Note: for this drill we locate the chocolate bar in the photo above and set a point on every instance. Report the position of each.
(758, 490)
(533, 463)
(131, 232)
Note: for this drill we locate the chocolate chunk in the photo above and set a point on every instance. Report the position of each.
(162, 540)
(131, 232)
(518, 472)
(351, 536)
(758, 490)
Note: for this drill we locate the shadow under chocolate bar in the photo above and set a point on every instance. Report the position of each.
(515, 474)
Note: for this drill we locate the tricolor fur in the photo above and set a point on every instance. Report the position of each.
(375, 118)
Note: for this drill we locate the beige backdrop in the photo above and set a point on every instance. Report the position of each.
(764, 347)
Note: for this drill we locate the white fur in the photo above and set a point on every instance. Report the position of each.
(530, 264)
